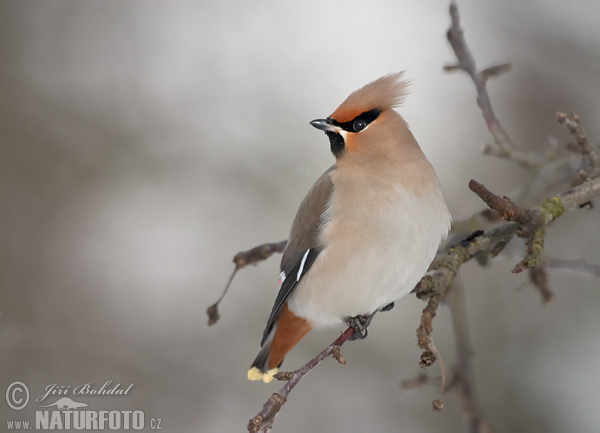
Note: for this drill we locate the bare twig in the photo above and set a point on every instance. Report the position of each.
(502, 205)
(446, 264)
(572, 265)
(465, 383)
(591, 156)
(425, 342)
(213, 310)
(264, 419)
(424, 331)
(421, 379)
(438, 403)
(532, 225)
(494, 71)
(539, 279)
(242, 259)
(504, 147)
(258, 254)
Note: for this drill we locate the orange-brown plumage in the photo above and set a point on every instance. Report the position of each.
(290, 330)
(384, 94)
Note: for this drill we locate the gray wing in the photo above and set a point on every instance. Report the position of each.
(302, 248)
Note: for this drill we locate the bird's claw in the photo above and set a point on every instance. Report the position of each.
(359, 324)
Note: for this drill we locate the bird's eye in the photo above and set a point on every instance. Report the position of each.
(359, 125)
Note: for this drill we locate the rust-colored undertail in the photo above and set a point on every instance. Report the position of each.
(289, 331)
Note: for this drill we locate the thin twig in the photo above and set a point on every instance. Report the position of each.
(539, 278)
(242, 259)
(258, 254)
(213, 310)
(572, 265)
(438, 403)
(590, 154)
(532, 224)
(264, 419)
(424, 331)
(421, 379)
(447, 263)
(590, 157)
(503, 205)
(465, 389)
(504, 146)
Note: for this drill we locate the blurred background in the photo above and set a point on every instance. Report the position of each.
(144, 143)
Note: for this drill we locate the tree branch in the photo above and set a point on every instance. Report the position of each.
(504, 146)
(264, 419)
(539, 278)
(572, 265)
(590, 157)
(242, 259)
(446, 264)
(465, 382)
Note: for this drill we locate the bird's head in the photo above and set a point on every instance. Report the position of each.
(366, 123)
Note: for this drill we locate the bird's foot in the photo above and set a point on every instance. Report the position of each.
(388, 307)
(359, 324)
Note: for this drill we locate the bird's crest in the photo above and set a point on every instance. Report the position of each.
(383, 94)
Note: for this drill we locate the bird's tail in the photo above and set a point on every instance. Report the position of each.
(286, 333)
(259, 369)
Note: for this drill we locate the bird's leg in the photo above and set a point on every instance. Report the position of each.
(388, 307)
(359, 324)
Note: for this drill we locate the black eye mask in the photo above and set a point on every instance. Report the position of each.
(359, 123)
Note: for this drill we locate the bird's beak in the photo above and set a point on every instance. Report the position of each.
(324, 125)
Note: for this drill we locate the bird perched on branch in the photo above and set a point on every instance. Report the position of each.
(367, 230)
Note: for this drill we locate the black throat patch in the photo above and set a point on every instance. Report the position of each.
(336, 142)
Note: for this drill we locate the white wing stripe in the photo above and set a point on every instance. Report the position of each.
(302, 265)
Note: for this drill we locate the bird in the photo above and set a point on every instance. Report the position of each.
(367, 230)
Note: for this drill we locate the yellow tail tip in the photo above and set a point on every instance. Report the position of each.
(256, 374)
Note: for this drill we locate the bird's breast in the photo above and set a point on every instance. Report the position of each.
(378, 239)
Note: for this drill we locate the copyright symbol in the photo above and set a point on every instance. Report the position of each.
(17, 395)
